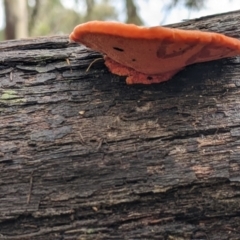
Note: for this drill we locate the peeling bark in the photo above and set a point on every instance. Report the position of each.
(84, 156)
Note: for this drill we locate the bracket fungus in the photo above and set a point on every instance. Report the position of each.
(155, 54)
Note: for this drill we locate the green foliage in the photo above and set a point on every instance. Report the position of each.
(57, 20)
(1, 35)
(190, 4)
(61, 20)
(101, 11)
(51, 17)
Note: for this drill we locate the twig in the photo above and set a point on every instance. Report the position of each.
(30, 187)
(95, 60)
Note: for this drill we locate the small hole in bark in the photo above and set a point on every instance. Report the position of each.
(133, 60)
(149, 78)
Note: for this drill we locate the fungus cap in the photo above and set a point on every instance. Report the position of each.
(152, 55)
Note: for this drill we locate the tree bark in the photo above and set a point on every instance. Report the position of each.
(84, 156)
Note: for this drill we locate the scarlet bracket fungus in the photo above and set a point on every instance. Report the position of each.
(155, 54)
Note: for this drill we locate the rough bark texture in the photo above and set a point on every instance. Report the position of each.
(84, 156)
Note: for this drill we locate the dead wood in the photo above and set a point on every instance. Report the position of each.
(84, 156)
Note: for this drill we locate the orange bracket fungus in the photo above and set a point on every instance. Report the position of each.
(155, 54)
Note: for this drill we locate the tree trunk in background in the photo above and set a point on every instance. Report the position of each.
(16, 14)
(33, 15)
(85, 156)
(132, 13)
(90, 5)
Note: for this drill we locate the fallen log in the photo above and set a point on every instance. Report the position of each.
(85, 156)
